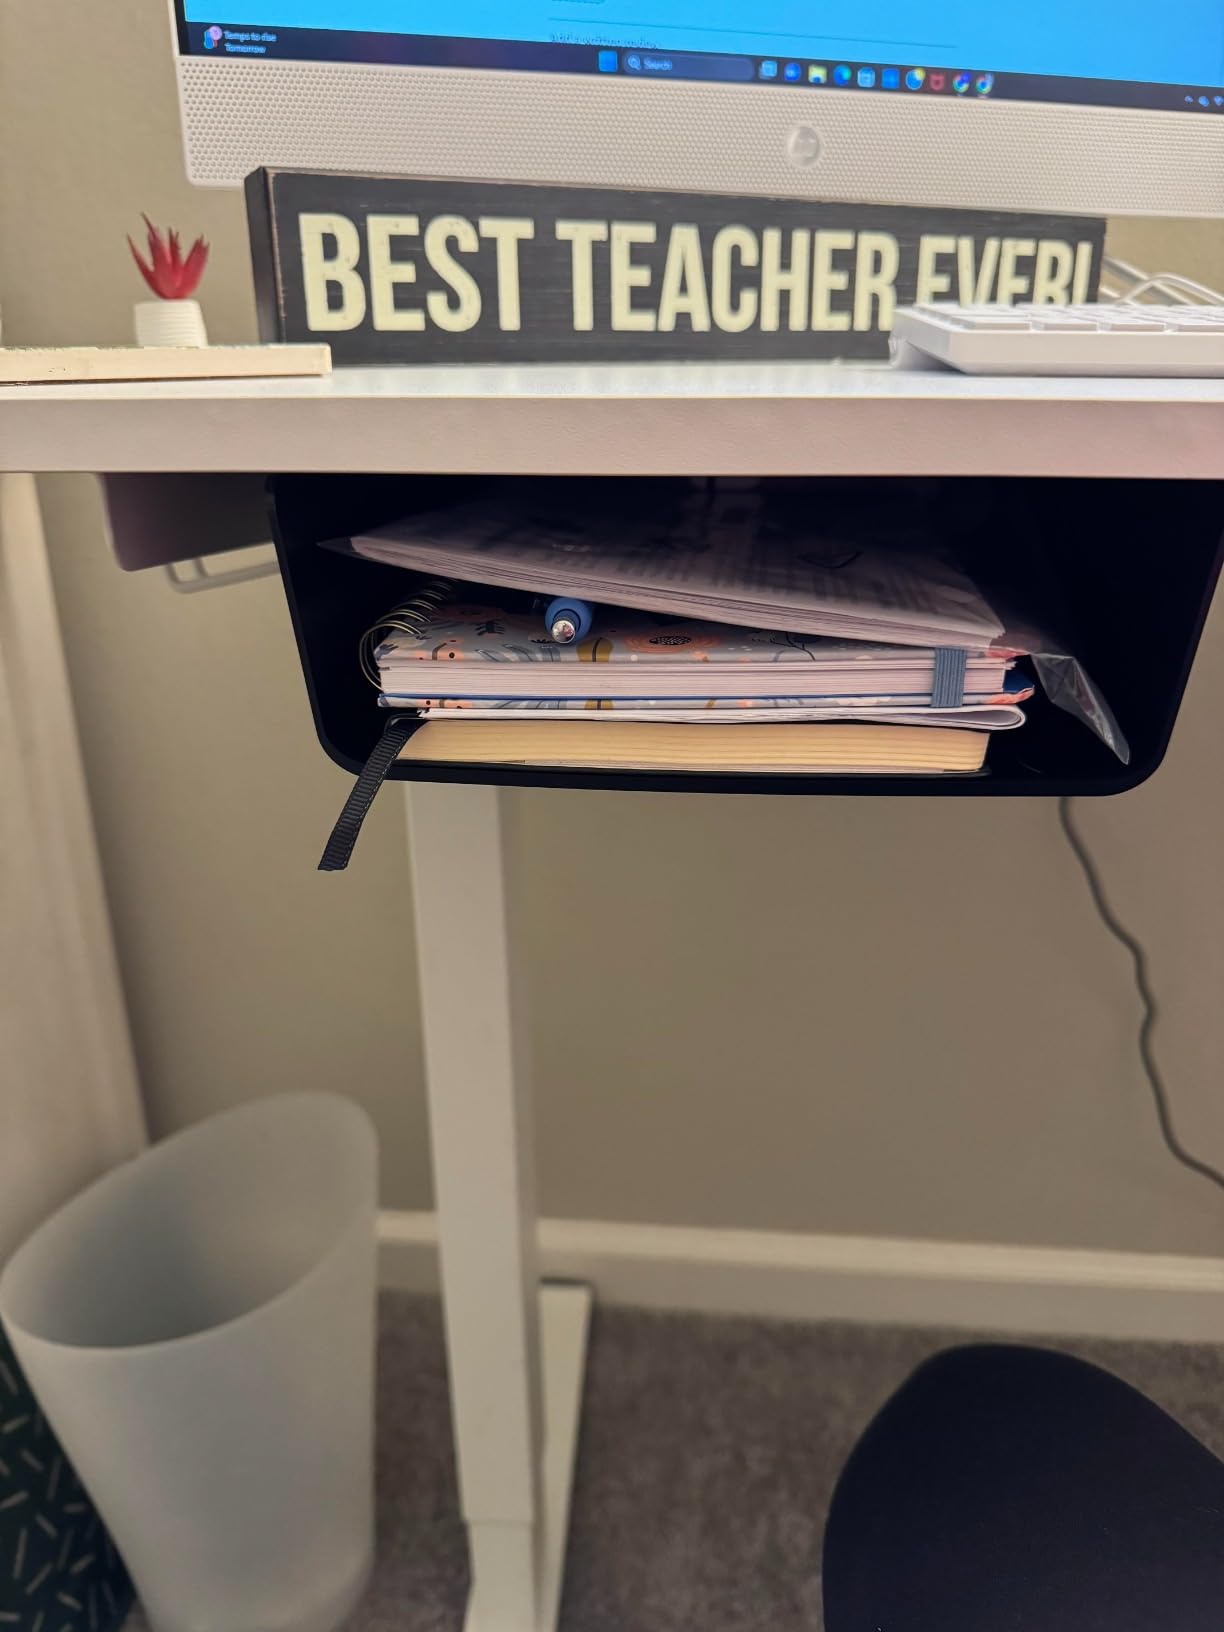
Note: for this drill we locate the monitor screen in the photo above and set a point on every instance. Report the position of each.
(1127, 53)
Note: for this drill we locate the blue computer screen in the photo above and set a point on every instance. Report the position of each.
(1124, 51)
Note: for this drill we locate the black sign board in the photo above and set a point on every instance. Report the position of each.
(392, 270)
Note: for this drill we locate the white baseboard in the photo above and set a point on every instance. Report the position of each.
(1053, 1290)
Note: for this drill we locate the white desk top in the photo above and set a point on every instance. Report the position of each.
(627, 419)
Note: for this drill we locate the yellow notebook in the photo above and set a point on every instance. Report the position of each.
(605, 743)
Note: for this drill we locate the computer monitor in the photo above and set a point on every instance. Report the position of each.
(1097, 106)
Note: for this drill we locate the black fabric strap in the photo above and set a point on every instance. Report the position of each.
(357, 806)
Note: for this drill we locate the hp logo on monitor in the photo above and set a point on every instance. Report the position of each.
(803, 145)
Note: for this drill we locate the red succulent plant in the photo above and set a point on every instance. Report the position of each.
(168, 272)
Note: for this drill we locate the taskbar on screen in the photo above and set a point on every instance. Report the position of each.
(825, 74)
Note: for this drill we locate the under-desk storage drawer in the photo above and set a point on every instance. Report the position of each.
(1122, 571)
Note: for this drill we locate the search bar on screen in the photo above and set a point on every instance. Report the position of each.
(685, 65)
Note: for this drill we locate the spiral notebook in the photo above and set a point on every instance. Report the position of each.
(438, 653)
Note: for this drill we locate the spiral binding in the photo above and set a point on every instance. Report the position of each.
(411, 617)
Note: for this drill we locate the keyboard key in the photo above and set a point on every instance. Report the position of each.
(1130, 323)
(1055, 317)
(995, 320)
(1205, 321)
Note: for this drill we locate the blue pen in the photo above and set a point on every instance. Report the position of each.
(568, 619)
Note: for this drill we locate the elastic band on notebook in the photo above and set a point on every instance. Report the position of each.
(948, 684)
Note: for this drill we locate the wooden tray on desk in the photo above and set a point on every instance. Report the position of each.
(92, 365)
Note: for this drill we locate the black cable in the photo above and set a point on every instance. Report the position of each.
(1151, 1009)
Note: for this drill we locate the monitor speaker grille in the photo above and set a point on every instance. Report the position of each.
(592, 131)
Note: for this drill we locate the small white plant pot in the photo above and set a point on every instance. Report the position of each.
(170, 323)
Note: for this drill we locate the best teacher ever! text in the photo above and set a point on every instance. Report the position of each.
(640, 276)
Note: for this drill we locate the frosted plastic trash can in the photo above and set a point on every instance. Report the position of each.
(199, 1328)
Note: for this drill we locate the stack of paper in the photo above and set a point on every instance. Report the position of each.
(722, 556)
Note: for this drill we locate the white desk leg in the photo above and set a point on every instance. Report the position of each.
(515, 1400)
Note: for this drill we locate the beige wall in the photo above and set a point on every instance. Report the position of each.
(890, 1016)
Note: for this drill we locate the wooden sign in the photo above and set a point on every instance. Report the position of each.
(391, 270)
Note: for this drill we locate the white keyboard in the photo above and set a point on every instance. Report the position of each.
(1117, 338)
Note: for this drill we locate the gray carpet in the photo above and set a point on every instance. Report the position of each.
(709, 1452)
